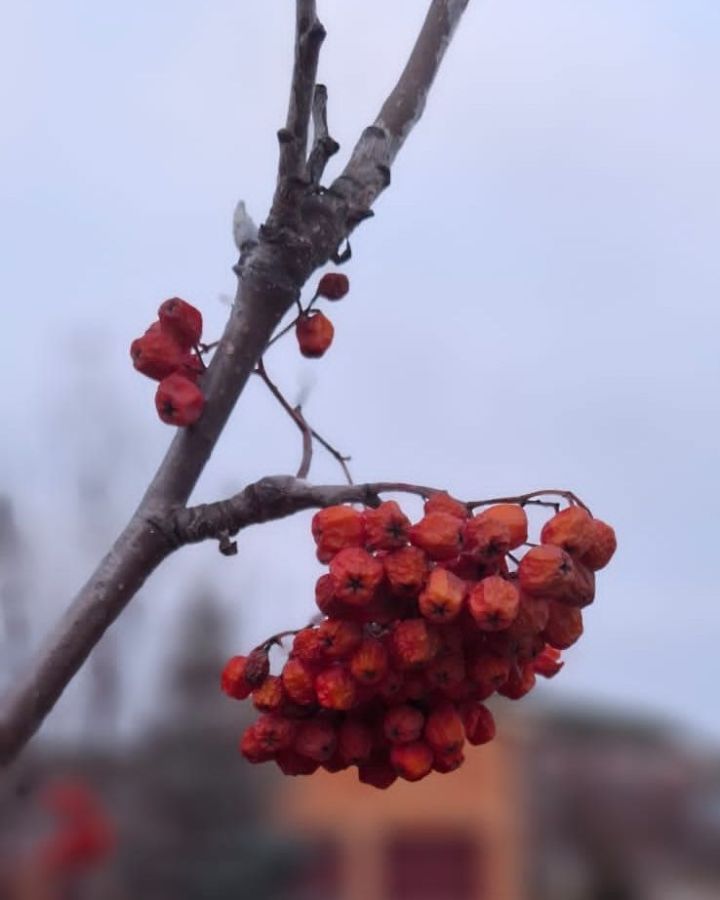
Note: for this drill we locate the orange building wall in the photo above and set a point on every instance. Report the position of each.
(484, 798)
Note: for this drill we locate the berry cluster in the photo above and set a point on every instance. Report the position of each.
(168, 352)
(314, 331)
(421, 624)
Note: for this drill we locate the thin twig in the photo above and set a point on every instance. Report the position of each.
(307, 450)
(302, 423)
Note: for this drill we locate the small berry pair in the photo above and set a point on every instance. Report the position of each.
(168, 353)
(314, 331)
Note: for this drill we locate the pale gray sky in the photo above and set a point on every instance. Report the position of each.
(534, 305)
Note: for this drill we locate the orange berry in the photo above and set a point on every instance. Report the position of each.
(442, 599)
(564, 627)
(335, 528)
(386, 527)
(443, 502)
(369, 663)
(356, 575)
(570, 529)
(546, 571)
(487, 539)
(439, 534)
(494, 603)
(513, 517)
(406, 570)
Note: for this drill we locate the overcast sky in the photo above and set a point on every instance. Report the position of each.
(534, 304)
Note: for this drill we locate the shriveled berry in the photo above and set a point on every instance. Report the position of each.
(439, 534)
(333, 286)
(546, 571)
(602, 546)
(494, 603)
(412, 761)
(442, 599)
(181, 320)
(570, 529)
(335, 528)
(564, 627)
(386, 527)
(307, 646)
(489, 672)
(179, 401)
(257, 667)
(356, 575)
(446, 672)
(486, 539)
(581, 590)
(314, 333)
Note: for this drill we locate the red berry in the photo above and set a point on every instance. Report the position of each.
(232, 679)
(157, 355)
(356, 575)
(179, 401)
(314, 333)
(182, 321)
(548, 663)
(479, 723)
(355, 742)
(406, 570)
(333, 286)
(570, 529)
(411, 643)
(546, 571)
(386, 527)
(379, 775)
(299, 683)
(443, 502)
(513, 517)
(369, 663)
(444, 729)
(336, 688)
(270, 695)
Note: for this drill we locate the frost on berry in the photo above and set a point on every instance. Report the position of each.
(419, 625)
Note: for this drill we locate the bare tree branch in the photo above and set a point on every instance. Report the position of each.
(304, 229)
(309, 35)
(323, 145)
